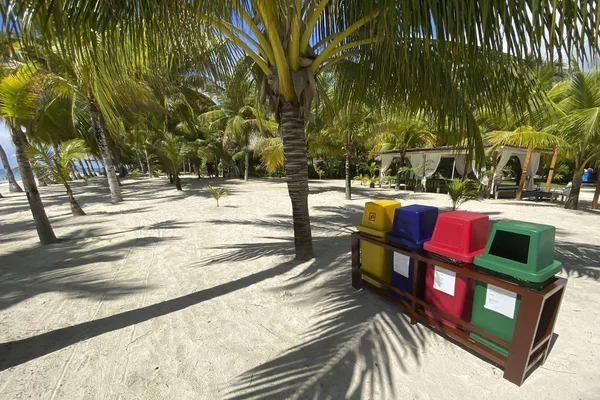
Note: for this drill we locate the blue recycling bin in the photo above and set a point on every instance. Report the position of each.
(413, 225)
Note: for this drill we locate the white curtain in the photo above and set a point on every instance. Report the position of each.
(386, 162)
(416, 160)
(462, 167)
(432, 162)
(534, 164)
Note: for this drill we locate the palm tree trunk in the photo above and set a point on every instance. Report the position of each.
(85, 173)
(76, 209)
(176, 179)
(13, 186)
(296, 169)
(596, 195)
(140, 163)
(348, 172)
(171, 178)
(42, 224)
(76, 174)
(98, 129)
(89, 166)
(524, 172)
(246, 164)
(150, 172)
(573, 200)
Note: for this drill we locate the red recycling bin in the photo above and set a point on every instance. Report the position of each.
(449, 292)
(460, 236)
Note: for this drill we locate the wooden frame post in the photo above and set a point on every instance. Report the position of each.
(596, 195)
(524, 171)
(356, 275)
(551, 171)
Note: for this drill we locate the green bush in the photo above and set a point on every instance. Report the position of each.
(461, 191)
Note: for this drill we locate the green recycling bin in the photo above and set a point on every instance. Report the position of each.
(520, 252)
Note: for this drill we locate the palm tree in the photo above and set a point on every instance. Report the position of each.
(398, 132)
(236, 112)
(17, 105)
(437, 57)
(270, 150)
(348, 124)
(174, 150)
(579, 101)
(13, 186)
(56, 161)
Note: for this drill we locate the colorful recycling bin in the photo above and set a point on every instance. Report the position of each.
(495, 310)
(459, 235)
(520, 252)
(377, 222)
(449, 292)
(413, 226)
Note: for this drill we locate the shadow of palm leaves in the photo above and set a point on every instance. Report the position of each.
(358, 342)
(579, 259)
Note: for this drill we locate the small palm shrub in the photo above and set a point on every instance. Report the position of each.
(217, 193)
(461, 191)
(319, 171)
(135, 172)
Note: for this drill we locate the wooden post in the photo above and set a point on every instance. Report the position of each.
(356, 275)
(524, 171)
(596, 195)
(551, 172)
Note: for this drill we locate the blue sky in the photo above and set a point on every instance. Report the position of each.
(7, 144)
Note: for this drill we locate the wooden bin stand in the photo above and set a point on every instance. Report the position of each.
(533, 329)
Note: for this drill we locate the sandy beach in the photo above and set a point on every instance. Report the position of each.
(167, 296)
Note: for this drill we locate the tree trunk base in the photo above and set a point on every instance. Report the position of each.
(14, 187)
(573, 200)
(76, 209)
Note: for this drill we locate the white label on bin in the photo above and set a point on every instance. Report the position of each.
(500, 300)
(444, 280)
(401, 263)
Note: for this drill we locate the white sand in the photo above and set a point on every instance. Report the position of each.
(167, 296)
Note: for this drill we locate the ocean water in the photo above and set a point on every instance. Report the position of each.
(15, 172)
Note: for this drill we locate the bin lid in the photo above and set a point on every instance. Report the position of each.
(414, 223)
(520, 249)
(377, 217)
(460, 235)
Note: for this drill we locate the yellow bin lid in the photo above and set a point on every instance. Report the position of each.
(378, 217)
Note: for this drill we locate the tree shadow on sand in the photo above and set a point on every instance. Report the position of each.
(61, 267)
(357, 340)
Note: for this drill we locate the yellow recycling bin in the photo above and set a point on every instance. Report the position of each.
(377, 220)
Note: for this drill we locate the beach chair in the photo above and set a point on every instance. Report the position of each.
(563, 193)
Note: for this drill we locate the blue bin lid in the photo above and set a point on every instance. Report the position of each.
(414, 223)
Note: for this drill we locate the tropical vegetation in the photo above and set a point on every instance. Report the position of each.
(293, 83)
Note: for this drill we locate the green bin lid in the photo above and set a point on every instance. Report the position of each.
(521, 249)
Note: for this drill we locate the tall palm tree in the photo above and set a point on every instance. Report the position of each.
(440, 57)
(578, 98)
(13, 186)
(17, 105)
(348, 123)
(56, 162)
(236, 112)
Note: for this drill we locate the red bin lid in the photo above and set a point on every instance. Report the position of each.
(460, 235)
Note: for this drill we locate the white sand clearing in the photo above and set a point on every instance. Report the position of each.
(168, 296)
